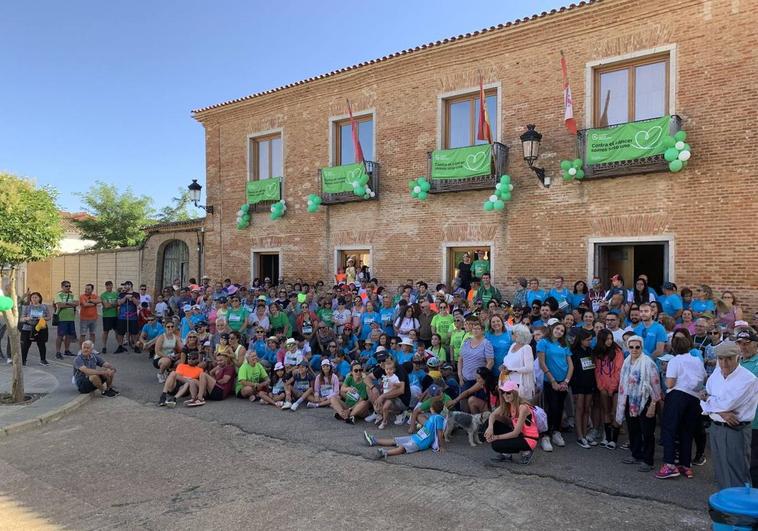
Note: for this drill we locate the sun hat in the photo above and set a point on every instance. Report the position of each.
(290, 341)
(279, 366)
(407, 341)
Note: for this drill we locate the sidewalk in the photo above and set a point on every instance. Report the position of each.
(60, 397)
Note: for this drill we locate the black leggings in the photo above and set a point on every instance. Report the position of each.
(508, 446)
(554, 401)
(26, 342)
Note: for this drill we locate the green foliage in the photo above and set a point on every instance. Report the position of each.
(30, 227)
(117, 218)
(181, 208)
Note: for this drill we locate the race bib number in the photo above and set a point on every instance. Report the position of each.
(302, 385)
(234, 317)
(307, 328)
(353, 395)
(325, 391)
(422, 433)
(587, 364)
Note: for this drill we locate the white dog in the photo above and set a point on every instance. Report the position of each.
(470, 423)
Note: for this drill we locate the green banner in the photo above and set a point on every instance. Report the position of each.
(340, 178)
(263, 190)
(632, 141)
(460, 163)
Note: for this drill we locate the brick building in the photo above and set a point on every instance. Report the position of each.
(628, 60)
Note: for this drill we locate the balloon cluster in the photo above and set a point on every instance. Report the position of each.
(572, 169)
(420, 188)
(502, 194)
(677, 151)
(243, 217)
(314, 201)
(278, 209)
(360, 187)
(6, 303)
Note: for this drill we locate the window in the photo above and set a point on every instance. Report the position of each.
(344, 153)
(265, 157)
(462, 119)
(631, 91)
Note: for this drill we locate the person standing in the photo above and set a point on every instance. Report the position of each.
(730, 399)
(65, 310)
(487, 292)
(128, 303)
(88, 302)
(748, 342)
(109, 300)
(34, 328)
(464, 272)
(653, 334)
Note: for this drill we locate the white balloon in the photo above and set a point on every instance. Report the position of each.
(310, 203)
(510, 187)
(685, 155)
(417, 189)
(498, 186)
(493, 198)
(572, 171)
(679, 145)
(373, 194)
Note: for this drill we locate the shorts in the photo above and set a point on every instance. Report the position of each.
(87, 325)
(66, 328)
(480, 394)
(84, 385)
(216, 393)
(577, 389)
(408, 443)
(109, 323)
(156, 360)
(127, 325)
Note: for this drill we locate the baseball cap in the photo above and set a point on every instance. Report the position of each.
(552, 321)
(595, 282)
(187, 308)
(418, 357)
(290, 341)
(380, 349)
(326, 361)
(273, 338)
(433, 362)
(381, 356)
(746, 335)
(508, 386)
(261, 297)
(279, 366)
(434, 390)
(669, 285)
(727, 349)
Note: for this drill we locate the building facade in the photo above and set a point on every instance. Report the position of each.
(628, 60)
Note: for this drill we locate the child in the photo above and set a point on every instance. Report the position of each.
(161, 308)
(275, 394)
(429, 436)
(432, 394)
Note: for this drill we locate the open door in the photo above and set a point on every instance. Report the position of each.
(480, 261)
(632, 260)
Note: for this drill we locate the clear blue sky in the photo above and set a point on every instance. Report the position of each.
(97, 90)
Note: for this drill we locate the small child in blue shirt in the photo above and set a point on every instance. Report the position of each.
(430, 435)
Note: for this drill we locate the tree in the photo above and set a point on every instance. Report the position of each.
(181, 209)
(117, 219)
(30, 230)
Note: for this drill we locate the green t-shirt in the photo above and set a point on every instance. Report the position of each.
(457, 337)
(326, 316)
(66, 314)
(480, 267)
(236, 319)
(111, 297)
(350, 398)
(426, 405)
(281, 321)
(488, 294)
(250, 373)
(441, 324)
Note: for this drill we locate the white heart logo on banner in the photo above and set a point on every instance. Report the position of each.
(475, 161)
(648, 139)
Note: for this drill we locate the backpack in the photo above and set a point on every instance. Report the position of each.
(541, 417)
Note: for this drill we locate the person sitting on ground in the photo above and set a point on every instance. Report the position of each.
(420, 412)
(274, 394)
(149, 335)
(354, 396)
(252, 378)
(389, 402)
(93, 372)
(512, 427)
(326, 386)
(292, 355)
(477, 397)
(299, 387)
(185, 378)
(430, 435)
(168, 345)
(218, 383)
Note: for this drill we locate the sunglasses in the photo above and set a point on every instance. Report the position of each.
(260, 331)
(636, 347)
(357, 370)
(169, 326)
(714, 333)
(66, 285)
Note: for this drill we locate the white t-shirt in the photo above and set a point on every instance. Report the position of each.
(161, 309)
(293, 357)
(388, 382)
(618, 336)
(689, 373)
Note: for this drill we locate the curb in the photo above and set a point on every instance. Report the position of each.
(46, 418)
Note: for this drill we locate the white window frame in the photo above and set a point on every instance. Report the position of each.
(669, 268)
(589, 76)
(497, 85)
(339, 118)
(354, 247)
(249, 149)
(254, 262)
(446, 245)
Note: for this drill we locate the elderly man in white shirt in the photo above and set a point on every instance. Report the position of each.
(730, 399)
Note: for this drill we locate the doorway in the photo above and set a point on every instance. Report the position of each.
(632, 260)
(267, 263)
(481, 260)
(361, 258)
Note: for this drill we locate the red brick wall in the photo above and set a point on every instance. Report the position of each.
(708, 207)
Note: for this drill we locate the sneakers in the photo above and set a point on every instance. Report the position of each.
(170, 401)
(286, 405)
(115, 390)
(611, 445)
(350, 420)
(8, 361)
(667, 471)
(58, 356)
(371, 418)
(162, 400)
(369, 439)
(502, 458)
(557, 439)
(402, 418)
(44, 362)
(382, 425)
(279, 404)
(527, 457)
(644, 467)
(161, 378)
(312, 405)
(381, 453)
(686, 472)
(294, 406)
(137, 350)
(583, 443)
(109, 393)
(545, 444)
(699, 460)
(69, 353)
(624, 445)
(193, 403)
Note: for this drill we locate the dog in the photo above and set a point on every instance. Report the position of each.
(472, 424)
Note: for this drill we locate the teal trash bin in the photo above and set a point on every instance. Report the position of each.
(734, 509)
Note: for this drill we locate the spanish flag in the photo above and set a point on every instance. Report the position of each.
(356, 141)
(484, 132)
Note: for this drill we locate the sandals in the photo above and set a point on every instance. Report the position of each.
(195, 403)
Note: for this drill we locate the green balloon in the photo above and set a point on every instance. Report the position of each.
(565, 165)
(245, 208)
(423, 195)
(505, 196)
(566, 176)
(317, 200)
(421, 179)
(578, 163)
(499, 204)
(363, 179)
(411, 184)
(414, 195)
(680, 136)
(359, 190)
(687, 148)
(425, 186)
(668, 141)
(671, 154)
(312, 208)
(6, 303)
(489, 205)
(675, 165)
(366, 196)
(579, 174)
(505, 179)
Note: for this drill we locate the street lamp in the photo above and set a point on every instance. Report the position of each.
(195, 189)
(530, 142)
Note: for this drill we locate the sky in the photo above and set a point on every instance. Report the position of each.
(102, 91)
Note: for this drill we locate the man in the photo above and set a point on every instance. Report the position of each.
(93, 372)
(747, 340)
(422, 292)
(206, 282)
(617, 286)
(487, 292)
(534, 293)
(701, 339)
(387, 316)
(442, 322)
(65, 307)
(128, 303)
(545, 315)
(653, 334)
(88, 302)
(252, 377)
(149, 334)
(670, 301)
(730, 399)
(425, 322)
(480, 266)
(634, 319)
(109, 300)
(144, 296)
(612, 324)
(560, 293)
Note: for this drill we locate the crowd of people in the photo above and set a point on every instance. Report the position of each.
(587, 359)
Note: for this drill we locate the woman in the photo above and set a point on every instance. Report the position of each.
(518, 364)
(641, 292)
(324, 313)
(237, 348)
(326, 386)
(237, 315)
(437, 349)
(406, 323)
(274, 395)
(685, 376)
(519, 294)
(728, 311)
(478, 397)
(306, 322)
(356, 310)
(464, 272)
(580, 296)
(191, 344)
(354, 402)
(499, 337)
(34, 320)
(583, 384)
(608, 361)
(555, 362)
(512, 427)
(688, 321)
(639, 392)
(167, 347)
(368, 317)
(476, 352)
(703, 301)
(350, 271)
(278, 319)
(588, 321)
(259, 318)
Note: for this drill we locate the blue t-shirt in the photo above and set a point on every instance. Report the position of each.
(387, 317)
(577, 299)
(152, 330)
(348, 345)
(535, 295)
(424, 438)
(269, 355)
(366, 319)
(702, 306)
(342, 369)
(316, 362)
(500, 344)
(415, 377)
(671, 303)
(561, 295)
(651, 336)
(556, 358)
(403, 357)
(259, 346)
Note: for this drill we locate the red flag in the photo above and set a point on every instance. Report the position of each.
(356, 141)
(483, 131)
(568, 102)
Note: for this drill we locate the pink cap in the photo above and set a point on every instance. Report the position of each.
(508, 386)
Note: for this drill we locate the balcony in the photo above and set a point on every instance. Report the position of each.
(498, 165)
(624, 167)
(346, 195)
(261, 200)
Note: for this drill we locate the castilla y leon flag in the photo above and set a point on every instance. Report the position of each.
(356, 141)
(568, 102)
(483, 131)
